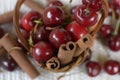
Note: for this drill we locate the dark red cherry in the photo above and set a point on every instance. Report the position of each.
(117, 12)
(41, 34)
(106, 30)
(85, 17)
(28, 21)
(1, 32)
(25, 33)
(114, 43)
(53, 16)
(111, 67)
(116, 3)
(93, 4)
(58, 37)
(42, 51)
(93, 68)
(110, 9)
(55, 3)
(77, 31)
(9, 64)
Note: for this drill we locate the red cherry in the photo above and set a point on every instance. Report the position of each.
(42, 51)
(117, 12)
(116, 3)
(41, 34)
(55, 3)
(110, 9)
(106, 30)
(25, 33)
(77, 31)
(53, 16)
(58, 37)
(28, 20)
(85, 17)
(93, 4)
(114, 43)
(8, 63)
(112, 67)
(93, 68)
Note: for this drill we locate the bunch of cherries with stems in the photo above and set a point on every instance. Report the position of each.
(110, 32)
(6, 61)
(46, 32)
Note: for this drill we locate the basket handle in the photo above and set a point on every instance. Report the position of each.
(104, 12)
(97, 27)
(17, 26)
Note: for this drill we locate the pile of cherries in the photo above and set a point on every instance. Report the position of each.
(46, 32)
(111, 32)
(6, 61)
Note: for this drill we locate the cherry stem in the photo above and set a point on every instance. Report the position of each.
(87, 10)
(50, 28)
(113, 15)
(37, 23)
(30, 40)
(117, 26)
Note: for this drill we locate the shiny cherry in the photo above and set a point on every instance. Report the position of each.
(112, 67)
(93, 4)
(85, 17)
(106, 30)
(41, 34)
(117, 12)
(55, 3)
(77, 31)
(116, 3)
(110, 9)
(9, 64)
(93, 68)
(42, 51)
(114, 43)
(58, 37)
(28, 20)
(25, 33)
(53, 16)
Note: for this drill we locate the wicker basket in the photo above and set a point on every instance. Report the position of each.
(82, 45)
